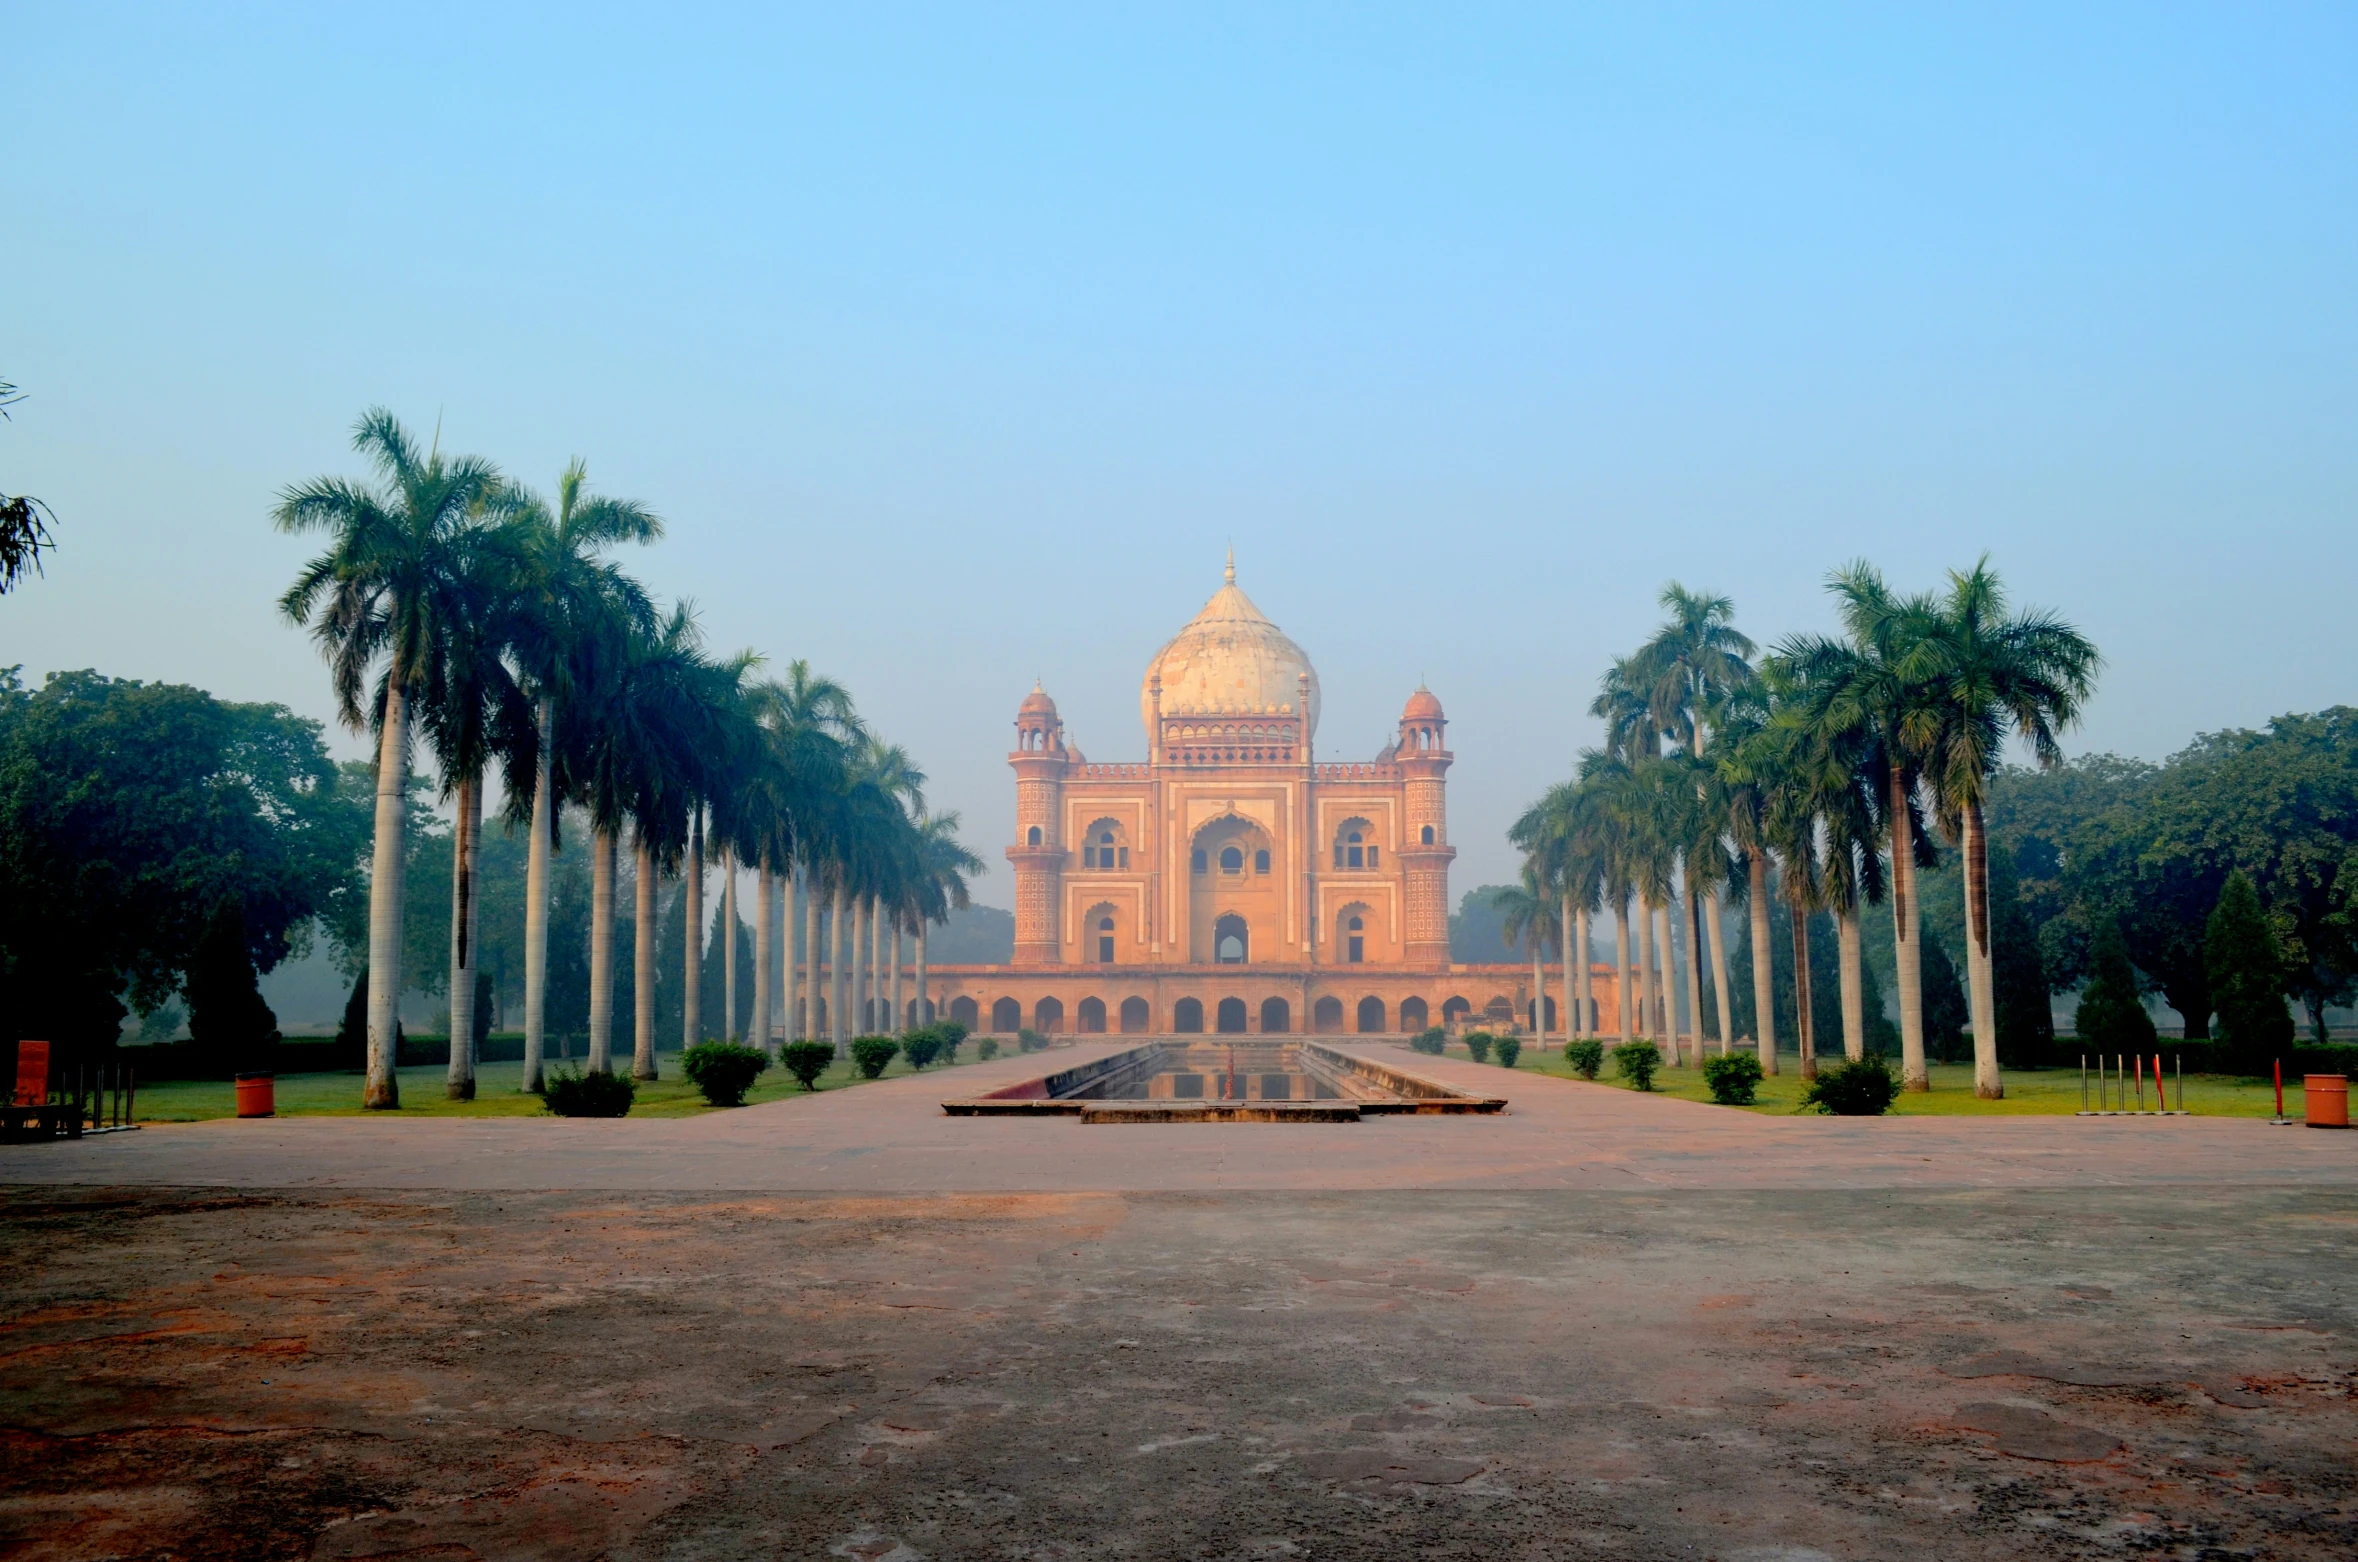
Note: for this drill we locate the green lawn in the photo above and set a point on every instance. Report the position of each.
(496, 1092)
(2028, 1093)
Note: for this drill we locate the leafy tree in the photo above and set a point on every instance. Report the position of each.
(870, 1054)
(229, 1024)
(2112, 1018)
(129, 812)
(2247, 978)
(807, 1060)
(1637, 1061)
(2026, 1020)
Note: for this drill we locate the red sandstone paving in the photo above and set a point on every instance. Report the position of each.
(1662, 1330)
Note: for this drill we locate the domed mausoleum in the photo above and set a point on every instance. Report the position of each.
(1232, 882)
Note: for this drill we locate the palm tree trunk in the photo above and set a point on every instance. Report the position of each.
(642, 1050)
(1691, 928)
(810, 954)
(1719, 974)
(1644, 970)
(1981, 976)
(1906, 927)
(1571, 1014)
(1666, 980)
(925, 1015)
(1854, 988)
(1804, 1021)
(856, 1013)
(900, 1018)
(692, 958)
(1764, 976)
(466, 833)
(1538, 988)
(764, 928)
(835, 995)
(729, 948)
(388, 861)
(1582, 1023)
(536, 906)
(878, 1023)
(601, 973)
(1625, 995)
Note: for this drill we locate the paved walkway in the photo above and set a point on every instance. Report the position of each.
(891, 1137)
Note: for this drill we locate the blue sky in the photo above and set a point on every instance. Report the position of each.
(957, 344)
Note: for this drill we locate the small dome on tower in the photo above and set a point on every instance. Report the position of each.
(1422, 706)
(1036, 703)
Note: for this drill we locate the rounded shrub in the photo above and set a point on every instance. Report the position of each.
(871, 1053)
(723, 1070)
(921, 1046)
(598, 1094)
(1030, 1040)
(987, 1048)
(806, 1061)
(1433, 1040)
(952, 1033)
(1636, 1062)
(1586, 1057)
(1734, 1077)
(1478, 1045)
(1508, 1049)
(1864, 1087)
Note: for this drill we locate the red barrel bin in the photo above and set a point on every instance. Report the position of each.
(257, 1095)
(2328, 1100)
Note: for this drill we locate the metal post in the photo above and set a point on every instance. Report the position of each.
(2083, 1084)
(2178, 1067)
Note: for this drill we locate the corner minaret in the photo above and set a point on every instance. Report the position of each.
(1425, 853)
(1040, 761)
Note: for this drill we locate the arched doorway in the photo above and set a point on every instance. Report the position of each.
(1048, 1016)
(1232, 940)
(1277, 1016)
(964, 1011)
(1413, 1014)
(1133, 1016)
(1499, 1011)
(1006, 1016)
(1091, 1016)
(1371, 1016)
(1326, 1016)
(1187, 1017)
(1454, 1010)
(1231, 1017)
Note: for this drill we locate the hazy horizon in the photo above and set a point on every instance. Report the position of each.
(957, 348)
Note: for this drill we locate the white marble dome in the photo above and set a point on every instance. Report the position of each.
(1229, 660)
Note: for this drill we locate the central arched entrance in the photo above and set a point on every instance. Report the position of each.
(1232, 940)
(1231, 1019)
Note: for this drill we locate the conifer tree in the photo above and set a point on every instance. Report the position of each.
(2111, 1018)
(2246, 968)
(229, 1024)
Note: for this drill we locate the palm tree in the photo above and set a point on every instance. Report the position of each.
(939, 886)
(813, 729)
(1987, 671)
(389, 590)
(1695, 663)
(1747, 760)
(472, 713)
(574, 609)
(1870, 693)
(1532, 917)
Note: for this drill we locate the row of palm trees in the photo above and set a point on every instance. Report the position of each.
(457, 607)
(1825, 767)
